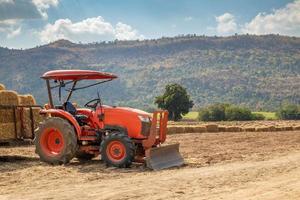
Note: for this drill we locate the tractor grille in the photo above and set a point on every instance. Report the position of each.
(146, 128)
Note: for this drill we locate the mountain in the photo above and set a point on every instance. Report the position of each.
(257, 71)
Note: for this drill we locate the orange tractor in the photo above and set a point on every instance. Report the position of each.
(121, 135)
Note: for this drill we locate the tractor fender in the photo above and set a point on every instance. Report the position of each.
(116, 127)
(65, 115)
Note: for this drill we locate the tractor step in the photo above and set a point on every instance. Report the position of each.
(88, 138)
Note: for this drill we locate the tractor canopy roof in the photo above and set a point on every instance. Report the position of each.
(76, 75)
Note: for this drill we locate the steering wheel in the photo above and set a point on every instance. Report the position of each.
(92, 103)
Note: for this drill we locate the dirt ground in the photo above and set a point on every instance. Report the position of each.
(218, 166)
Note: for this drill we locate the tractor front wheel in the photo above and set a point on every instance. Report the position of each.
(55, 141)
(117, 150)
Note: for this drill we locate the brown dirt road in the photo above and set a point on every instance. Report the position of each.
(219, 166)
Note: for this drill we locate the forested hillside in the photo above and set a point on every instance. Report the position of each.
(256, 71)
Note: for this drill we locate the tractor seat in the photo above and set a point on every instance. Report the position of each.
(70, 108)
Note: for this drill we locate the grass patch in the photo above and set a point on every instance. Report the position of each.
(268, 115)
(193, 115)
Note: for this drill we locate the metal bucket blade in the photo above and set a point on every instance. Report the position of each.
(164, 157)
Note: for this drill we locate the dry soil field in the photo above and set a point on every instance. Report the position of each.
(256, 165)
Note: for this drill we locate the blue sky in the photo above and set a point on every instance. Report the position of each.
(27, 23)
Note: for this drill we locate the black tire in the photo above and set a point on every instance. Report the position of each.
(68, 145)
(82, 156)
(127, 160)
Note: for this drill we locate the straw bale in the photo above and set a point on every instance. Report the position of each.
(7, 115)
(200, 129)
(212, 128)
(262, 129)
(296, 128)
(7, 131)
(26, 99)
(9, 97)
(189, 129)
(288, 128)
(233, 129)
(222, 128)
(2, 87)
(272, 128)
(37, 118)
(249, 129)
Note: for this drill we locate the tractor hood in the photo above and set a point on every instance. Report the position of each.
(127, 109)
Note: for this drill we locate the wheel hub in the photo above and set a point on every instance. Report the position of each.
(116, 151)
(52, 141)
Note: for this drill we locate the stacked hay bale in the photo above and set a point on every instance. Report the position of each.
(29, 100)
(2, 87)
(7, 125)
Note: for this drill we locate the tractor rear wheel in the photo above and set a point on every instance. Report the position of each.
(55, 141)
(117, 150)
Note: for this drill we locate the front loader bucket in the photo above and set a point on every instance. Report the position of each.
(158, 158)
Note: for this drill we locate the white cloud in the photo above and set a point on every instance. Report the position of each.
(11, 28)
(43, 5)
(284, 21)
(14, 33)
(226, 24)
(189, 18)
(89, 29)
(126, 32)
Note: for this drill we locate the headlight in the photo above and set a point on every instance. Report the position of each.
(143, 118)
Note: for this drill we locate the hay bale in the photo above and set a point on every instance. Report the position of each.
(189, 129)
(7, 115)
(9, 97)
(249, 129)
(272, 128)
(262, 129)
(222, 128)
(175, 129)
(200, 129)
(2, 87)
(278, 128)
(233, 129)
(7, 131)
(212, 128)
(37, 118)
(26, 99)
(287, 128)
(296, 128)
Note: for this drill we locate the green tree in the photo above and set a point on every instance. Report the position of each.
(289, 112)
(176, 100)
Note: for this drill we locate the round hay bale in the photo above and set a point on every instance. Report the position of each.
(2, 87)
(296, 128)
(9, 97)
(249, 129)
(233, 129)
(26, 99)
(211, 128)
